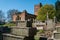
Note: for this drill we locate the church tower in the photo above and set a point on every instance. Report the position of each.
(36, 8)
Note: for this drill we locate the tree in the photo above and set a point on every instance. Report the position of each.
(57, 6)
(42, 13)
(10, 13)
(2, 16)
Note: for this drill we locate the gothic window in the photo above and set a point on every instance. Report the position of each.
(18, 18)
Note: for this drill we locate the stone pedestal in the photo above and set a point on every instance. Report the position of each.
(57, 34)
(21, 24)
(24, 23)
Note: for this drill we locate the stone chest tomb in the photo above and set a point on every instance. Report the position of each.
(20, 31)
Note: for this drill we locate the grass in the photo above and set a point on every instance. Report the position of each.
(9, 24)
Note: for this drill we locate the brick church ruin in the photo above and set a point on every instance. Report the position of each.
(25, 15)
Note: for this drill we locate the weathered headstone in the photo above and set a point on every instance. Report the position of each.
(50, 24)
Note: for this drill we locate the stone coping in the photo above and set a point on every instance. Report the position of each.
(57, 26)
(10, 35)
(18, 27)
(57, 33)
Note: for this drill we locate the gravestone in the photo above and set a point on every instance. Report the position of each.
(50, 24)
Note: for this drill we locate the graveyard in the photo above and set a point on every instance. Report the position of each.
(22, 31)
(44, 24)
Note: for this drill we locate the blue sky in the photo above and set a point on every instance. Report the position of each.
(21, 5)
